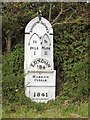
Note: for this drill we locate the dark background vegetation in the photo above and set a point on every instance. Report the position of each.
(70, 22)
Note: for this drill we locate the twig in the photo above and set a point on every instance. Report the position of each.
(61, 11)
(69, 17)
(72, 22)
(50, 10)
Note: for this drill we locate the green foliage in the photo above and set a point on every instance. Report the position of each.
(71, 51)
(53, 109)
(38, 107)
(12, 87)
(13, 62)
(12, 75)
(70, 54)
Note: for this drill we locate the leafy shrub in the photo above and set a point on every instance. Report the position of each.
(13, 77)
(13, 62)
(71, 52)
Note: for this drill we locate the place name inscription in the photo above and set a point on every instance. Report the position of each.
(40, 63)
(40, 78)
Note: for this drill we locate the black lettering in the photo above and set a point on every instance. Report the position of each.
(49, 48)
(38, 94)
(45, 41)
(34, 94)
(32, 65)
(46, 94)
(31, 48)
(45, 52)
(49, 65)
(43, 94)
(40, 66)
(38, 60)
(34, 41)
(35, 62)
(33, 76)
(45, 62)
(46, 48)
(34, 52)
(43, 67)
(42, 60)
(43, 47)
(37, 76)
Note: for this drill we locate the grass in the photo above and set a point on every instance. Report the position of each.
(53, 109)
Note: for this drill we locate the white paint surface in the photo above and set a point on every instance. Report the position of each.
(40, 94)
(40, 78)
(38, 41)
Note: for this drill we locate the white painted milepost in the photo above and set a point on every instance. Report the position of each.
(40, 76)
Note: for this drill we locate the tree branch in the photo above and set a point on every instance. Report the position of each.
(69, 17)
(72, 22)
(61, 11)
(50, 10)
